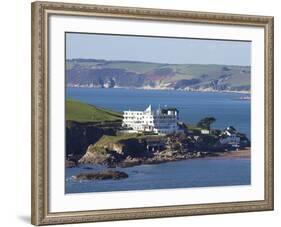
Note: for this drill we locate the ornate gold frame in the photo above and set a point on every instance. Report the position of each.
(40, 106)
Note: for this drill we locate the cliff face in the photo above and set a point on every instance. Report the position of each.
(80, 135)
(130, 152)
(126, 150)
(131, 74)
(110, 153)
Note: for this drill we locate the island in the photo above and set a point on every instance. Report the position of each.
(100, 136)
(106, 175)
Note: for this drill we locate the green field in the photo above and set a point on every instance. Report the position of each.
(134, 74)
(137, 67)
(82, 112)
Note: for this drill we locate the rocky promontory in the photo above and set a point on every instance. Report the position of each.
(113, 151)
(127, 150)
(98, 73)
(133, 149)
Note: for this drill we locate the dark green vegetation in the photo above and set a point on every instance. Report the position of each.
(107, 175)
(80, 135)
(194, 77)
(81, 112)
(205, 123)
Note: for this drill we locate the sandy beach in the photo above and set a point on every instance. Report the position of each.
(243, 153)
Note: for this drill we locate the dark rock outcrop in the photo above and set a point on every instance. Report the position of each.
(133, 149)
(80, 135)
(70, 164)
(113, 154)
(107, 175)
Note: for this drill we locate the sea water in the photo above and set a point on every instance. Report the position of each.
(227, 108)
(202, 172)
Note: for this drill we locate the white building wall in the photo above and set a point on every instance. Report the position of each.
(232, 139)
(133, 119)
(151, 121)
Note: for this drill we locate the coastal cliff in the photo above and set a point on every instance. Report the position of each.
(147, 75)
(114, 150)
(80, 135)
(85, 125)
(136, 149)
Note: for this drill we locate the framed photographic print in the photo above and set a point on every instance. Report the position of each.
(146, 113)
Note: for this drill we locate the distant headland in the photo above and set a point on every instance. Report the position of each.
(95, 73)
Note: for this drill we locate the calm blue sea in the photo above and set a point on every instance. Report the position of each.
(225, 107)
(179, 174)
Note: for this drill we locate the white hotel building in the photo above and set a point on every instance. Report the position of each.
(162, 121)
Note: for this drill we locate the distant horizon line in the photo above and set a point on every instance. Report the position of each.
(162, 63)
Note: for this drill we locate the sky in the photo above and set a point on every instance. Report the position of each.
(157, 49)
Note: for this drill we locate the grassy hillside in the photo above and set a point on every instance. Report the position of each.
(129, 139)
(106, 140)
(82, 112)
(133, 74)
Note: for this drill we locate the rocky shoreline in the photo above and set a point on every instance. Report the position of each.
(165, 89)
(106, 144)
(165, 156)
(159, 158)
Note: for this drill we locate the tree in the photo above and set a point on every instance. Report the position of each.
(206, 122)
(216, 132)
(206, 143)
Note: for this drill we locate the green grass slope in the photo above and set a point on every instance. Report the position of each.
(82, 112)
(101, 73)
(106, 140)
